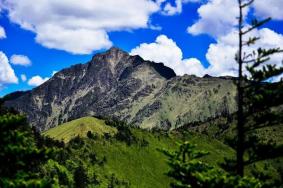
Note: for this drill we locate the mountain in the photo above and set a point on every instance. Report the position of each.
(116, 85)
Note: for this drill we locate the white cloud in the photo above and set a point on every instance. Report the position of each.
(20, 60)
(23, 77)
(170, 8)
(2, 33)
(193, 66)
(37, 80)
(221, 54)
(165, 50)
(79, 41)
(219, 17)
(81, 26)
(7, 74)
(214, 19)
(273, 9)
(162, 50)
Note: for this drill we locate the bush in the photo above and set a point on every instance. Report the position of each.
(91, 135)
(125, 135)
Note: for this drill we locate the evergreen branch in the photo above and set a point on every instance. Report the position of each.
(267, 72)
(249, 61)
(247, 4)
(263, 55)
(251, 41)
(255, 25)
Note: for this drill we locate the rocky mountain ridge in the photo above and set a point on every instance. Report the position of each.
(116, 85)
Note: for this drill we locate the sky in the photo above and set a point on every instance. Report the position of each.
(39, 38)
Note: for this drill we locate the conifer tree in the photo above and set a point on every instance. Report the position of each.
(257, 98)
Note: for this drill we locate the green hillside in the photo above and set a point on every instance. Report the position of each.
(137, 163)
(79, 127)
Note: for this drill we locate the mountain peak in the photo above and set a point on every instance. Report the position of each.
(120, 61)
(115, 52)
(115, 49)
(113, 55)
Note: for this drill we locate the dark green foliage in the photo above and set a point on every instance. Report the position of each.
(93, 157)
(115, 182)
(144, 143)
(52, 170)
(91, 135)
(124, 134)
(107, 136)
(94, 180)
(19, 154)
(76, 142)
(188, 170)
(43, 141)
(80, 177)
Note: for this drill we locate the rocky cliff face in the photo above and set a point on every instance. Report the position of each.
(117, 85)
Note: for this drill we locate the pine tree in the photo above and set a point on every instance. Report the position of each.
(257, 99)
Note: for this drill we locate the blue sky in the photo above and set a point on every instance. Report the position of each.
(190, 36)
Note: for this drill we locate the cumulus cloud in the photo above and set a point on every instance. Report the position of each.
(81, 26)
(221, 54)
(7, 73)
(80, 41)
(37, 80)
(165, 50)
(214, 19)
(2, 33)
(273, 10)
(20, 60)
